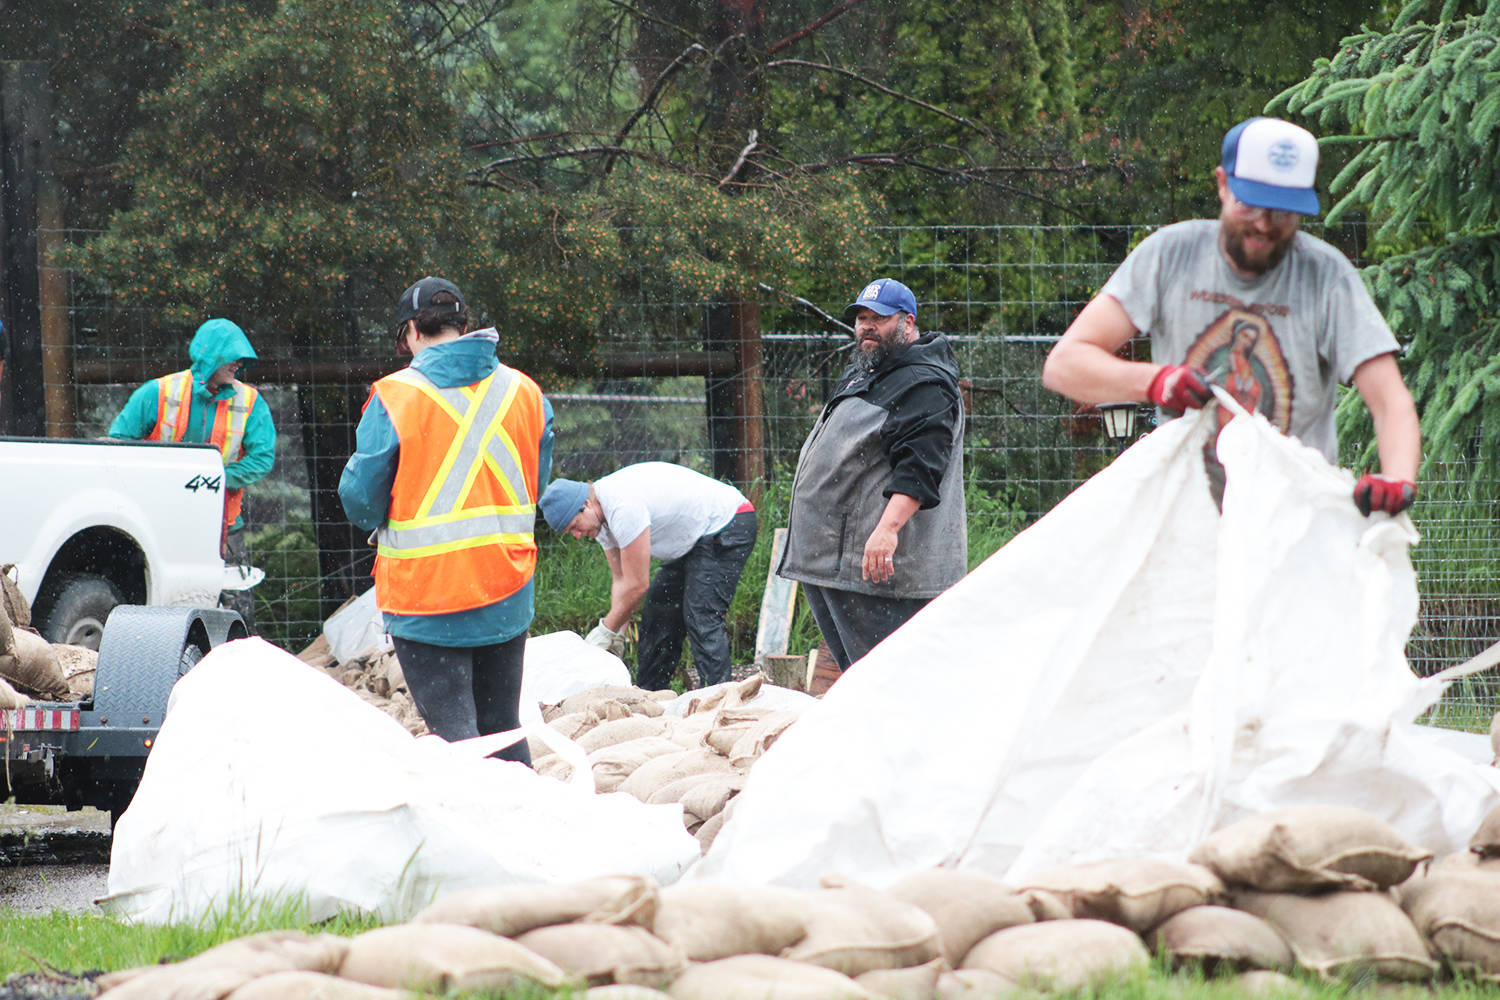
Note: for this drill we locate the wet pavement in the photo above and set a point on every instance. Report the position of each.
(51, 859)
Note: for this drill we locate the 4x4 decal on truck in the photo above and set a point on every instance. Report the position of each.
(203, 482)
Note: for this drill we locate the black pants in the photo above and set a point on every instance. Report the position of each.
(688, 599)
(466, 691)
(853, 624)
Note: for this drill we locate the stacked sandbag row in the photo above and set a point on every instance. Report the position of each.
(1330, 890)
(31, 668)
(698, 759)
(375, 676)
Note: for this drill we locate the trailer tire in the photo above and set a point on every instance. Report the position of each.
(79, 610)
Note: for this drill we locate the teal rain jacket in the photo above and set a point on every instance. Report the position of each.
(216, 343)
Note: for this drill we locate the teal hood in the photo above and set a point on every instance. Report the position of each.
(218, 342)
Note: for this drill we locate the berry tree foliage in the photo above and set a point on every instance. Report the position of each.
(299, 161)
(1419, 105)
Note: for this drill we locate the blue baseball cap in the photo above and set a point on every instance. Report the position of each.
(1272, 164)
(561, 501)
(884, 296)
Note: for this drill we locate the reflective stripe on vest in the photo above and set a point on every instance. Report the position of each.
(174, 398)
(441, 524)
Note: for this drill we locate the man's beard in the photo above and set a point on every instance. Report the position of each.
(1234, 246)
(885, 347)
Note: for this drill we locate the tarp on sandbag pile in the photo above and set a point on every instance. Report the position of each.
(1130, 673)
(271, 782)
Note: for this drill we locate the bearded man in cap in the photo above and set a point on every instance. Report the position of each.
(877, 526)
(450, 455)
(1250, 295)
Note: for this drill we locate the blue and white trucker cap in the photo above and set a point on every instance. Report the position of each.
(1272, 164)
(884, 296)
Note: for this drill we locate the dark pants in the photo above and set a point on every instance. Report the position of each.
(243, 601)
(853, 624)
(466, 691)
(688, 599)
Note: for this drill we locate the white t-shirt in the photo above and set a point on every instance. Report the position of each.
(1282, 342)
(679, 505)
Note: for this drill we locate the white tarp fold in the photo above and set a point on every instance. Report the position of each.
(270, 781)
(1130, 673)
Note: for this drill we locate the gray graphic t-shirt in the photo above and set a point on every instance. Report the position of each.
(1281, 343)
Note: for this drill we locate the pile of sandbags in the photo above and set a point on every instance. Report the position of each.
(1329, 890)
(374, 675)
(31, 668)
(695, 749)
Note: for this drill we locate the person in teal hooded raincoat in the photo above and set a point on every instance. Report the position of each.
(208, 403)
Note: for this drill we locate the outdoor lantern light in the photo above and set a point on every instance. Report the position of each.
(1119, 422)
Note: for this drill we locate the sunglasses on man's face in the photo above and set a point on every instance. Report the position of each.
(401, 347)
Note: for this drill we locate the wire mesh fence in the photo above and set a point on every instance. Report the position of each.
(1002, 295)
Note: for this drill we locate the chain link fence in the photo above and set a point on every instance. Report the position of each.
(1002, 294)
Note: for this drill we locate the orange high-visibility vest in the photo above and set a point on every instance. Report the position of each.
(459, 533)
(174, 396)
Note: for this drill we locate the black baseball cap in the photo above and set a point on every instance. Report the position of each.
(419, 297)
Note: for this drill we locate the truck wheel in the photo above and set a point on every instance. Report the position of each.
(80, 609)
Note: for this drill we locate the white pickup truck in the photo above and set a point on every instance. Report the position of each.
(94, 523)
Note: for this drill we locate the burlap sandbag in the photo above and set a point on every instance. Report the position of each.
(663, 769)
(633, 727)
(1495, 737)
(690, 730)
(601, 954)
(711, 827)
(917, 982)
(748, 748)
(761, 977)
(1343, 933)
(10, 697)
(853, 929)
(511, 910)
(1463, 859)
(445, 957)
(1268, 983)
(613, 764)
(622, 992)
(1458, 912)
(707, 794)
(708, 921)
(553, 766)
(1307, 848)
(732, 723)
(574, 724)
(1215, 937)
(972, 984)
(1060, 955)
(79, 664)
(16, 608)
(1486, 839)
(1137, 893)
(216, 973)
(730, 694)
(639, 702)
(313, 986)
(34, 668)
(966, 906)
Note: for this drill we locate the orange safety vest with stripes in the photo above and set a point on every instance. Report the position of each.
(459, 534)
(174, 397)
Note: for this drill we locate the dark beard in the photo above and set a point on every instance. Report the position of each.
(881, 352)
(1234, 245)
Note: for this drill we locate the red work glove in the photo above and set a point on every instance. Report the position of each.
(1180, 387)
(1385, 493)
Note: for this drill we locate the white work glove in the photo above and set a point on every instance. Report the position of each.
(606, 639)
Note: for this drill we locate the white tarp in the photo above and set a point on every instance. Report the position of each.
(270, 781)
(1130, 673)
